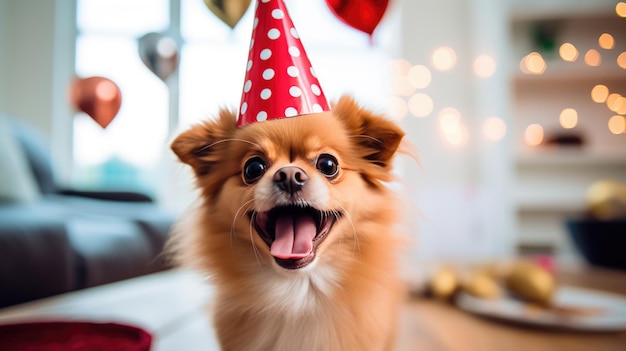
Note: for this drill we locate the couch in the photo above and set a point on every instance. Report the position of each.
(55, 240)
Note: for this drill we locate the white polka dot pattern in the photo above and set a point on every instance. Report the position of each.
(280, 81)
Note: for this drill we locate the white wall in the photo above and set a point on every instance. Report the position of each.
(2, 52)
(28, 57)
(461, 190)
(36, 66)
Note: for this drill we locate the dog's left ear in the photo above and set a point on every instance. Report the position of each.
(199, 146)
(378, 137)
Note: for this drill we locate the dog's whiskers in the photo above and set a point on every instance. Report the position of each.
(242, 209)
(254, 248)
(343, 212)
(232, 226)
(206, 147)
(367, 137)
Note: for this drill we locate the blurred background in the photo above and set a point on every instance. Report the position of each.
(516, 107)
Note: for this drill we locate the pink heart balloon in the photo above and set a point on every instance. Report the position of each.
(98, 97)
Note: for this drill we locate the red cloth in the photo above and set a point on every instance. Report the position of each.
(73, 336)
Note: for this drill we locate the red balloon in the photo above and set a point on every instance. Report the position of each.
(364, 15)
(98, 97)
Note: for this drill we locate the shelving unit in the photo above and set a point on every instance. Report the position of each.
(551, 182)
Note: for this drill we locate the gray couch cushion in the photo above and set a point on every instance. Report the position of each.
(109, 250)
(37, 259)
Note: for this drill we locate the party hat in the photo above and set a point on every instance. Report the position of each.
(280, 81)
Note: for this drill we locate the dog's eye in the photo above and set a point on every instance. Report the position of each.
(327, 164)
(254, 169)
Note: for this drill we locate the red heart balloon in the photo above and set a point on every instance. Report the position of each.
(364, 15)
(98, 97)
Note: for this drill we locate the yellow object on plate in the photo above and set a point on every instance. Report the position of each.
(444, 283)
(530, 282)
(606, 199)
(483, 285)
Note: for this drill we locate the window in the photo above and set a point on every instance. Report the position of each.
(129, 153)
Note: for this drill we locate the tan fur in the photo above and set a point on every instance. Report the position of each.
(347, 298)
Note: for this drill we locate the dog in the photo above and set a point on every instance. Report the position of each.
(296, 228)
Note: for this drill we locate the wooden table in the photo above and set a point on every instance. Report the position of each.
(171, 305)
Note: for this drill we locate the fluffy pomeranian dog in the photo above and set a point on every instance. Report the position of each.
(297, 229)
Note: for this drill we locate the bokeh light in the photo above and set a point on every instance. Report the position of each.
(419, 76)
(484, 66)
(494, 128)
(568, 118)
(620, 9)
(606, 41)
(615, 101)
(397, 108)
(533, 135)
(622, 109)
(593, 58)
(533, 63)
(401, 86)
(420, 105)
(452, 127)
(568, 52)
(443, 58)
(621, 60)
(399, 67)
(617, 124)
(599, 93)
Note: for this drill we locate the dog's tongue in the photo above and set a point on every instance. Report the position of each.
(294, 237)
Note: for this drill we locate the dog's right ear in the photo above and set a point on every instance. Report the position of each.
(198, 146)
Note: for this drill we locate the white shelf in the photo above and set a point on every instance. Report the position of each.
(569, 72)
(550, 201)
(551, 182)
(535, 10)
(547, 157)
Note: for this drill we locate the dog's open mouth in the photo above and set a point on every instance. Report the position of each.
(293, 233)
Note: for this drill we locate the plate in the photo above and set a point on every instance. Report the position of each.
(574, 309)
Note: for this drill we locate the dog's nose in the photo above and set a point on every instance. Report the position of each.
(290, 179)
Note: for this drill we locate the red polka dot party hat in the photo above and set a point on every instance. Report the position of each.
(280, 81)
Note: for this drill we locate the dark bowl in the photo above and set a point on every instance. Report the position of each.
(601, 243)
(73, 335)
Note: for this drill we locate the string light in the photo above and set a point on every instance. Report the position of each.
(621, 60)
(484, 66)
(599, 93)
(593, 58)
(421, 105)
(443, 58)
(494, 128)
(397, 107)
(419, 76)
(617, 124)
(620, 9)
(606, 41)
(533, 135)
(568, 118)
(533, 63)
(615, 101)
(451, 126)
(568, 52)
